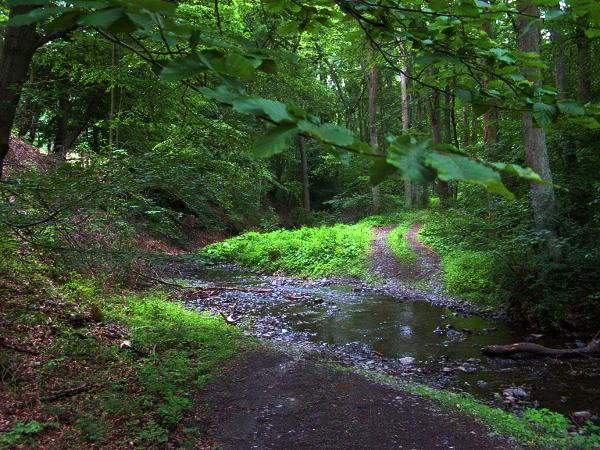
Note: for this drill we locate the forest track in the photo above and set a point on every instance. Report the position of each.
(273, 400)
(425, 273)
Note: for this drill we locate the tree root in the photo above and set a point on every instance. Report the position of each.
(593, 348)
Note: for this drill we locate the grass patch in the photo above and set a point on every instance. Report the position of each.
(138, 362)
(307, 252)
(399, 243)
(471, 257)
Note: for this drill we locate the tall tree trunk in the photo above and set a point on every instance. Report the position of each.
(410, 187)
(59, 148)
(490, 117)
(534, 140)
(16, 52)
(584, 62)
(560, 82)
(435, 114)
(373, 131)
(466, 127)
(305, 185)
(560, 63)
(113, 99)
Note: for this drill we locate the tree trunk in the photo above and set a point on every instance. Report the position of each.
(113, 102)
(466, 127)
(435, 114)
(373, 131)
(305, 185)
(410, 187)
(490, 117)
(584, 62)
(534, 140)
(560, 64)
(560, 82)
(16, 52)
(59, 148)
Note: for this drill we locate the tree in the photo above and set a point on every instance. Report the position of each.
(372, 81)
(534, 140)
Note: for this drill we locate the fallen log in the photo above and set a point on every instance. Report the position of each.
(593, 348)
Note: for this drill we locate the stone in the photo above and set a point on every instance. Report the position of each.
(582, 416)
(515, 392)
(407, 360)
(482, 384)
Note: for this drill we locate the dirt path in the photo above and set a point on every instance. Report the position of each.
(424, 273)
(271, 400)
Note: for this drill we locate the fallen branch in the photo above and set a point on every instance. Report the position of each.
(203, 288)
(592, 348)
(17, 348)
(68, 392)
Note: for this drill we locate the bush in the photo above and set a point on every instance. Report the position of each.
(471, 275)
(307, 252)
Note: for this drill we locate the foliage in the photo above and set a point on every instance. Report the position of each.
(21, 433)
(306, 252)
(139, 394)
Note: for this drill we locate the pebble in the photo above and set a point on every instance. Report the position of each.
(407, 360)
(515, 392)
(582, 415)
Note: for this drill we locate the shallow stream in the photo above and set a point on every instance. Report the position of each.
(413, 340)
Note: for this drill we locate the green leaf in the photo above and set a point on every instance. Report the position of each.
(275, 141)
(464, 95)
(456, 167)
(525, 173)
(36, 16)
(380, 170)
(182, 68)
(330, 133)
(571, 108)
(236, 65)
(103, 18)
(276, 111)
(408, 155)
(544, 114)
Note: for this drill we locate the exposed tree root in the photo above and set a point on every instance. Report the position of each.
(593, 348)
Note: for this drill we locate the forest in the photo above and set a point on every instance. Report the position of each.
(300, 224)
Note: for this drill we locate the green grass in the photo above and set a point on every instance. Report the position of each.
(469, 255)
(307, 252)
(399, 243)
(140, 393)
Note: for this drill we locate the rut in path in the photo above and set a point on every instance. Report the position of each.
(425, 272)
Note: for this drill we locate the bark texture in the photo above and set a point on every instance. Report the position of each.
(490, 117)
(373, 80)
(16, 52)
(435, 115)
(305, 183)
(534, 141)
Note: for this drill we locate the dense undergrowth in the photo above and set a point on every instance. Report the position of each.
(306, 252)
(82, 366)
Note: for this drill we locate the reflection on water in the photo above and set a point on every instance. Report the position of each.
(433, 335)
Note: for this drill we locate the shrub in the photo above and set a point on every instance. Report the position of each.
(307, 252)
